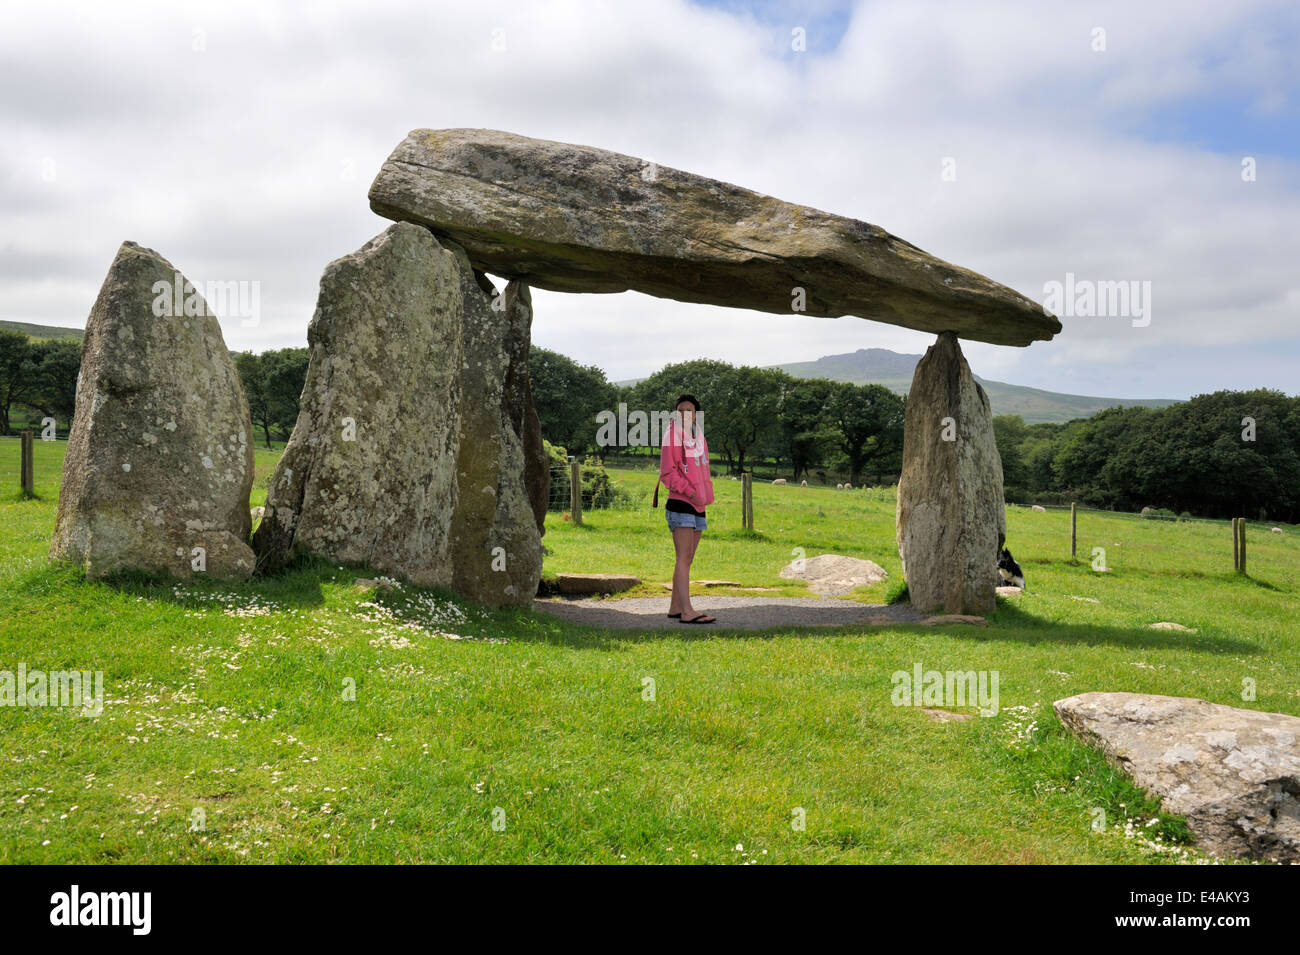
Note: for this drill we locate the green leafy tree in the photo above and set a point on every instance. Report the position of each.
(18, 374)
(1009, 432)
(568, 396)
(286, 374)
(807, 433)
(57, 365)
(252, 374)
(870, 422)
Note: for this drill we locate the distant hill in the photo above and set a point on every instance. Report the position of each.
(43, 332)
(51, 332)
(893, 370)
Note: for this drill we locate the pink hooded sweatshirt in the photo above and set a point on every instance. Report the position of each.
(681, 470)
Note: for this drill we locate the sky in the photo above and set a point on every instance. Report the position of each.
(1036, 143)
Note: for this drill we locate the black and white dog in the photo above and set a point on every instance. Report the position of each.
(1009, 572)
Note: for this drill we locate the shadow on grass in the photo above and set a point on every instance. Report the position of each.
(1009, 625)
(299, 586)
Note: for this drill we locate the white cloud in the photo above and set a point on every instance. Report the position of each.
(250, 158)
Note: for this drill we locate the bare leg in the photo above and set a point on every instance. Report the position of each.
(683, 544)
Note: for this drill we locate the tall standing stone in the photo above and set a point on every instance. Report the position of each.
(159, 463)
(519, 401)
(951, 519)
(496, 543)
(369, 473)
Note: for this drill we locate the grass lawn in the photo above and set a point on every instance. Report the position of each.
(229, 733)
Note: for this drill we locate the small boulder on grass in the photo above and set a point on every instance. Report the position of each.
(944, 618)
(383, 585)
(834, 575)
(1170, 625)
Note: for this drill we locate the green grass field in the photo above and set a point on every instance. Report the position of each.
(228, 734)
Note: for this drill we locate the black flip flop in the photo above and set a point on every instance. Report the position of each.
(699, 618)
(675, 616)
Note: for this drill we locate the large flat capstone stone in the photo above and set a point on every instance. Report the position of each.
(574, 218)
(1234, 774)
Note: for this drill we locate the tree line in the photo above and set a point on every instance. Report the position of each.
(749, 414)
(38, 379)
(1226, 454)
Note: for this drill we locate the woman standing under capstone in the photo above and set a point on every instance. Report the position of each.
(684, 470)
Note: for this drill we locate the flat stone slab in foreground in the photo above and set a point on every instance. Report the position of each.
(1233, 773)
(574, 218)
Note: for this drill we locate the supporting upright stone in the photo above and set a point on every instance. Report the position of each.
(369, 473)
(496, 548)
(159, 462)
(519, 401)
(951, 520)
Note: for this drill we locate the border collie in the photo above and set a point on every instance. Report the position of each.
(1009, 572)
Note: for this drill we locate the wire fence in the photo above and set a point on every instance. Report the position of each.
(1154, 515)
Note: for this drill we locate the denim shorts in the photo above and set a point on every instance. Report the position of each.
(678, 519)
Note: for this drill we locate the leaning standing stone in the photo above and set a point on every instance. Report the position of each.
(368, 475)
(496, 543)
(519, 402)
(159, 464)
(951, 516)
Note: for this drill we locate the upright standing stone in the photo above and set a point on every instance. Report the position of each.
(496, 544)
(951, 519)
(519, 402)
(369, 475)
(159, 462)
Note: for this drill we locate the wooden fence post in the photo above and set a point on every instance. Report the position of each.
(1074, 530)
(26, 466)
(1236, 548)
(1240, 550)
(575, 489)
(746, 500)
